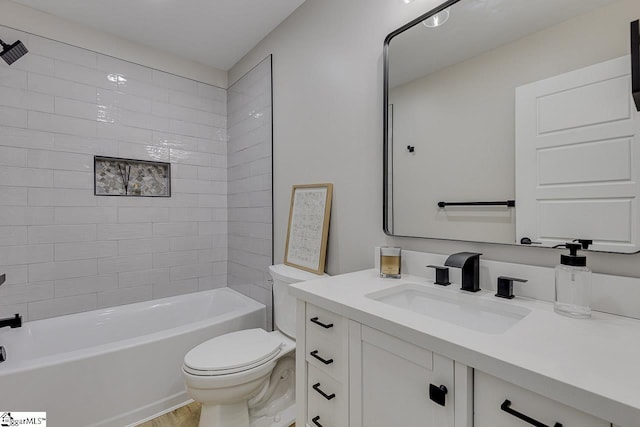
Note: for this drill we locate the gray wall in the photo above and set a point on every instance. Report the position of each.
(327, 109)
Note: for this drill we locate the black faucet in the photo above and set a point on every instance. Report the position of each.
(469, 262)
(12, 322)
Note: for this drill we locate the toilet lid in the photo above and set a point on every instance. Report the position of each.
(233, 352)
(290, 274)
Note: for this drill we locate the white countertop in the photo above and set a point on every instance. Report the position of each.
(590, 364)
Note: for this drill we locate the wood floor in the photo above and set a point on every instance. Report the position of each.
(186, 416)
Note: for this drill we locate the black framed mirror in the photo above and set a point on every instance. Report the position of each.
(513, 122)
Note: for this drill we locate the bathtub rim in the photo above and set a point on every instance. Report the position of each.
(113, 346)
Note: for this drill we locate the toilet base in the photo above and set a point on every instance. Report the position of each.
(235, 414)
(284, 418)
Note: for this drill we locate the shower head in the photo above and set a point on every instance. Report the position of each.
(12, 52)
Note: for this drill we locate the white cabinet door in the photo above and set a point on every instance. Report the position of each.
(577, 158)
(395, 381)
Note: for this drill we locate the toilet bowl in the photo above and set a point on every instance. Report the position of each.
(247, 378)
(225, 372)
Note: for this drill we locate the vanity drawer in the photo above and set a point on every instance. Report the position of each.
(490, 393)
(325, 325)
(327, 342)
(327, 400)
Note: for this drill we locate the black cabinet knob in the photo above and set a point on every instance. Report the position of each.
(438, 393)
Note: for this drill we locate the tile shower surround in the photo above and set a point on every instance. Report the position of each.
(65, 250)
(249, 187)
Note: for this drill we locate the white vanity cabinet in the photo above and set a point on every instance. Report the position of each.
(492, 394)
(352, 375)
(392, 382)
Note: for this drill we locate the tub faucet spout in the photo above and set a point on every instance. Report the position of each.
(12, 322)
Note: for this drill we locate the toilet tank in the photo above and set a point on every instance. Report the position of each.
(284, 305)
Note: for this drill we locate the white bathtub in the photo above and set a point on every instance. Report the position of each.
(116, 366)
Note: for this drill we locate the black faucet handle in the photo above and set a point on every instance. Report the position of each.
(442, 275)
(505, 286)
(3, 278)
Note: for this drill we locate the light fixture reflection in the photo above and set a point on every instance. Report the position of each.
(118, 79)
(437, 20)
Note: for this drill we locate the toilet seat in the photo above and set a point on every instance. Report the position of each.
(232, 353)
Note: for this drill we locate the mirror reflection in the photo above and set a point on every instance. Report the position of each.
(526, 103)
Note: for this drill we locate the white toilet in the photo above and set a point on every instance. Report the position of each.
(247, 378)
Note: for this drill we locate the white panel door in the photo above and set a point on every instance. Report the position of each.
(577, 158)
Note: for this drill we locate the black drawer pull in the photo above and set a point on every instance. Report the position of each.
(506, 407)
(314, 353)
(315, 421)
(319, 323)
(316, 387)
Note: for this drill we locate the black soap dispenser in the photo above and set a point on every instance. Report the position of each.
(573, 284)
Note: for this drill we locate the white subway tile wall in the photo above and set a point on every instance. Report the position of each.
(65, 250)
(249, 127)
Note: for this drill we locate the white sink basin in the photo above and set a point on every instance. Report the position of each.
(462, 309)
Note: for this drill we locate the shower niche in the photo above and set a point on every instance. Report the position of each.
(131, 178)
